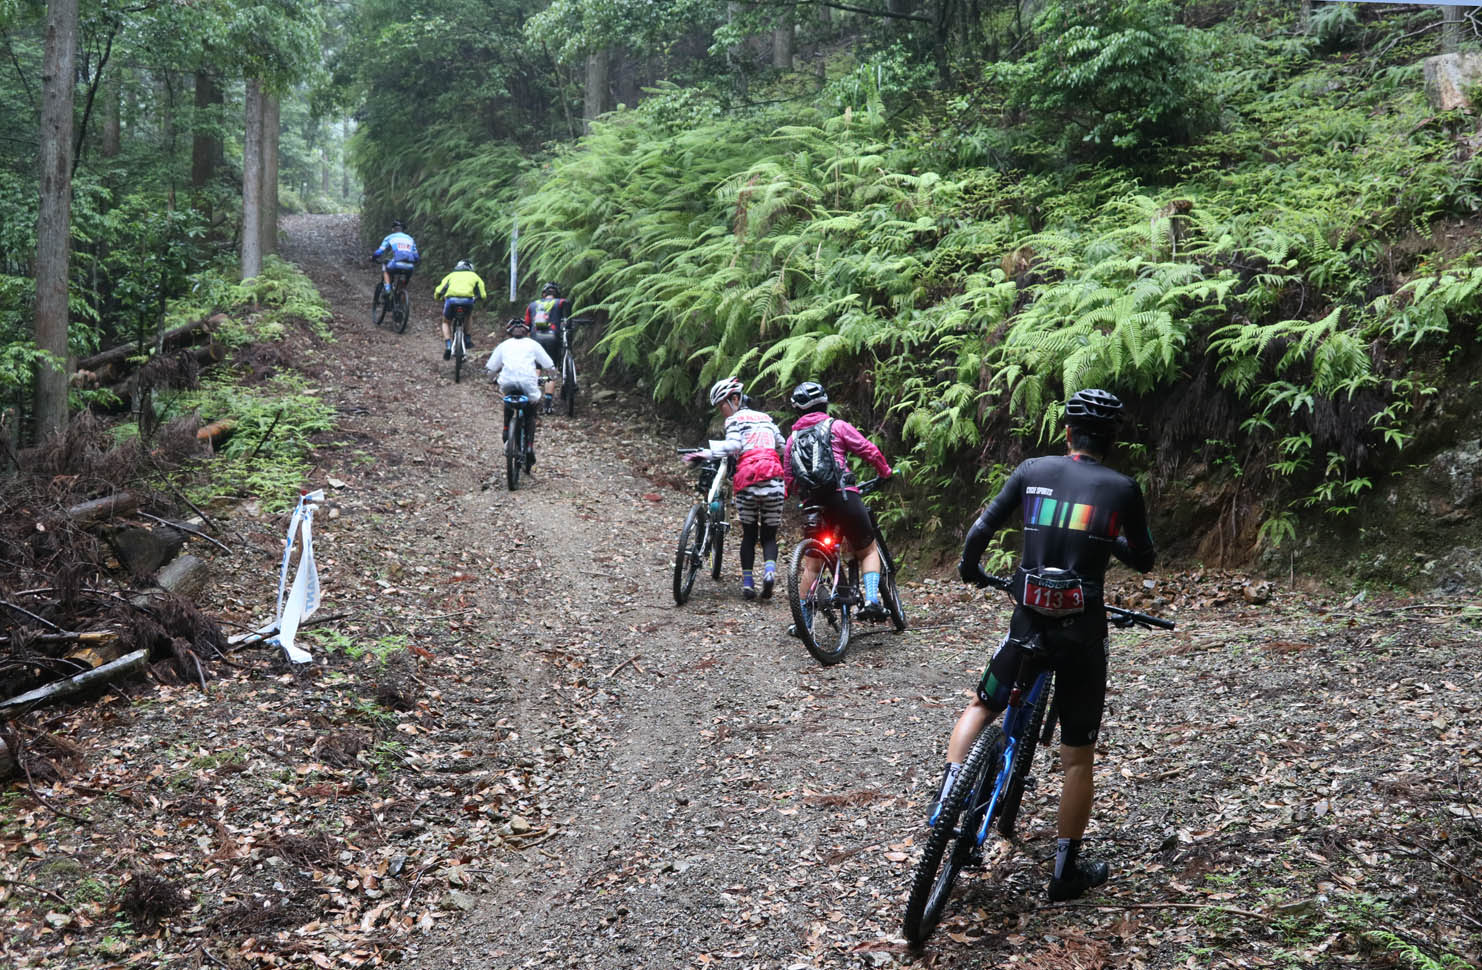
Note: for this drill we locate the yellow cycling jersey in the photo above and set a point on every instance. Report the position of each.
(460, 284)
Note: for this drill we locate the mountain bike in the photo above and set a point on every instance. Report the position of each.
(398, 302)
(569, 386)
(516, 447)
(990, 787)
(459, 326)
(835, 593)
(704, 530)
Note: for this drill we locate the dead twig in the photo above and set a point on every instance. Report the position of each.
(1248, 913)
(38, 619)
(631, 660)
(35, 889)
(193, 531)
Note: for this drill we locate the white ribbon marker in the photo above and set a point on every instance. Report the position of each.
(303, 596)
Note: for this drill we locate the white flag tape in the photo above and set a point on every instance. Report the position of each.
(303, 595)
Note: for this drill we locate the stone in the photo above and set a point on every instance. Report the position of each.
(1449, 79)
(462, 900)
(1458, 472)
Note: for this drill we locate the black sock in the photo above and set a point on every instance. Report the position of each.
(1066, 851)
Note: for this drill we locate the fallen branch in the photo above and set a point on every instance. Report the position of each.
(66, 636)
(122, 667)
(256, 637)
(631, 660)
(1248, 913)
(35, 889)
(107, 507)
(38, 619)
(191, 529)
(121, 353)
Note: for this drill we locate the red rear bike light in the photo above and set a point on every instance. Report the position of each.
(828, 540)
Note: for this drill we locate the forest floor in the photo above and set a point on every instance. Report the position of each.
(514, 750)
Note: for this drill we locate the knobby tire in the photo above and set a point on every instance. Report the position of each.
(937, 870)
(458, 352)
(1013, 793)
(717, 547)
(836, 617)
(380, 307)
(568, 384)
(892, 597)
(687, 556)
(403, 310)
(514, 452)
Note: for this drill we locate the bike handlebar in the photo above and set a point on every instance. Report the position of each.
(1122, 617)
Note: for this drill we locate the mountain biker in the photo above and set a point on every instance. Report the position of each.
(514, 366)
(400, 251)
(753, 440)
(815, 465)
(545, 317)
(461, 287)
(1077, 514)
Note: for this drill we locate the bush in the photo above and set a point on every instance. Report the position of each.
(1117, 76)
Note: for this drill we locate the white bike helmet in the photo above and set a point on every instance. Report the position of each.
(722, 389)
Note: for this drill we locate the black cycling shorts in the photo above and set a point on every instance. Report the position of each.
(846, 512)
(550, 343)
(1080, 678)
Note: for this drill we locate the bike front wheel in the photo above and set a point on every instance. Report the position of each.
(937, 870)
(818, 620)
(380, 304)
(687, 557)
(717, 547)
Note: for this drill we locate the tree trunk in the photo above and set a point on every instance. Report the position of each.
(252, 182)
(112, 127)
(271, 108)
(205, 142)
(1450, 29)
(782, 44)
(54, 216)
(596, 99)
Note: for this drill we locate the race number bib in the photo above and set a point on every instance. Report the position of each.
(1051, 595)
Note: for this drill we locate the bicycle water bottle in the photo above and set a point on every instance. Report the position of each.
(715, 509)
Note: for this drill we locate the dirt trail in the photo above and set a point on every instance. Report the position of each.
(710, 796)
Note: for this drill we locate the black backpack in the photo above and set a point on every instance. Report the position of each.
(814, 469)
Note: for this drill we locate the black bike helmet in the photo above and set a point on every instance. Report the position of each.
(1093, 410)
(464, 265)
(517, 324)
(549, 289)
(398, 226)
(809, 396)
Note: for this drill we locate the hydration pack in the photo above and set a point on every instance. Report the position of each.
(540, 313)
(811, 460)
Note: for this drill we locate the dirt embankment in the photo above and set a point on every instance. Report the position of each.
(517, 752)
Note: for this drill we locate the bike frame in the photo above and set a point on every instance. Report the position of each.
(1016, 719)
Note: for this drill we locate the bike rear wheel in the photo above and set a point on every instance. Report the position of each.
(401, 311)
(1013, 794)
(380, 306)
(458, 352)
(568, 384)
(514, 452)
(717, 546)
(937, 870)
(687, 557)
(827, 643)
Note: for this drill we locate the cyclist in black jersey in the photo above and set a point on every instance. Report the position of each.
(1077, 514)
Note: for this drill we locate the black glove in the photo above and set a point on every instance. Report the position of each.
(973, 573)
(370, 259)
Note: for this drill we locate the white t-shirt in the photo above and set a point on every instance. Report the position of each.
(515, 361)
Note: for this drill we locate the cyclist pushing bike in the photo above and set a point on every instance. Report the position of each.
(1077, 514)
(545, 319)
(753, 440)
(815, 465)
(459, 288)
(515, 366)
(400, 251)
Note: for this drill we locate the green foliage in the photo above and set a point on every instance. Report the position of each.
(1118, 75)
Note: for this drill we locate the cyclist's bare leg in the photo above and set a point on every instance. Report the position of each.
(447, 330)
(969, 724)
(869, 560)
(1076, 795)
(811, 566)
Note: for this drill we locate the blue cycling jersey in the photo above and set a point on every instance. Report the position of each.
(400, 247)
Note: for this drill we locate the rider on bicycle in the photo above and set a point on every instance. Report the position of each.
(400, 251)
(514, 366)
(1077, 514)
(753, 440)
(815, 465)
(546, 317)
(461, 287)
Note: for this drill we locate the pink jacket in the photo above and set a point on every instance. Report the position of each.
(847, 440)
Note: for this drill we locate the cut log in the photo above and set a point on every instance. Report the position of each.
(141, 551)
(217, 431)
(96, 656)
(85, 637)
(116, 670)
(186, 576)
(121, 503)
